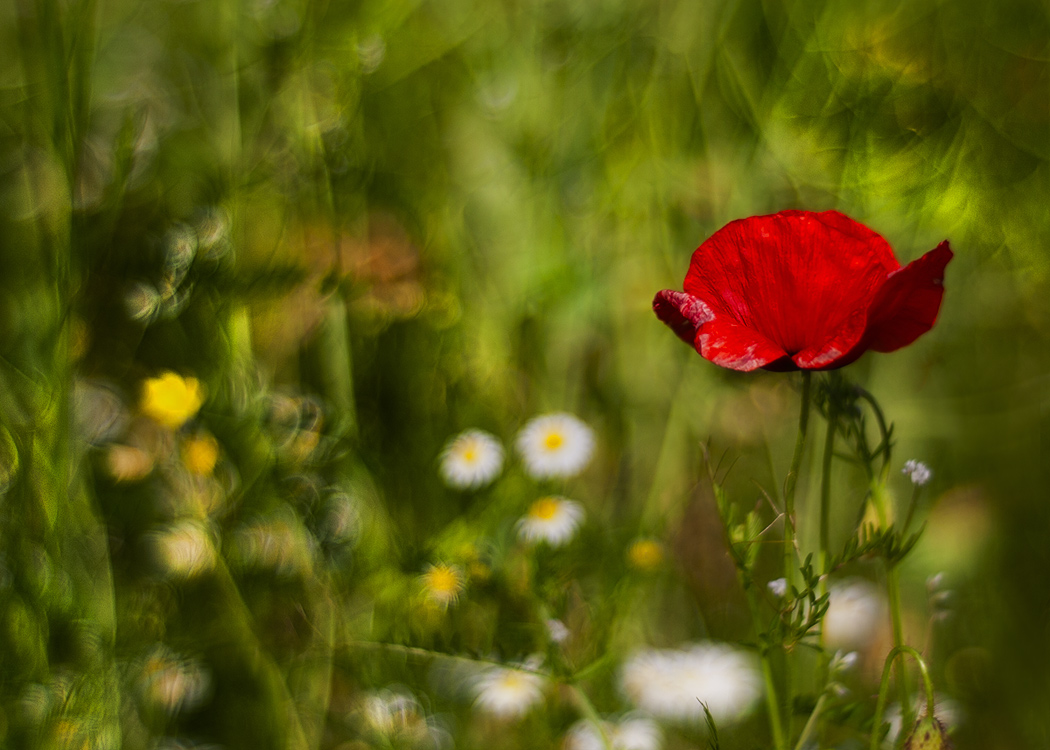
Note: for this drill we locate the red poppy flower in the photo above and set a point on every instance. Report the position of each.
(801, 290)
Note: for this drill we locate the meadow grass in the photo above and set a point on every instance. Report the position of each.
(363, 228)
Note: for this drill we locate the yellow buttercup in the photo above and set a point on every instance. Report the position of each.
(171, 399)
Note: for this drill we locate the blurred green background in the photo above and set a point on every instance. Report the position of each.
(407, 218)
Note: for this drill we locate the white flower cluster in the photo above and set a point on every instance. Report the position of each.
(778, 587)
(673, 683)
(918, 472)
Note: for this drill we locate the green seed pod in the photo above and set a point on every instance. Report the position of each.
(928, 734)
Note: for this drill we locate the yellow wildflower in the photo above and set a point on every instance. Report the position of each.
(171, 399)
(200, 453)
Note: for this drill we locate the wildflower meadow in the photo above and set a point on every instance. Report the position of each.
(597, 376)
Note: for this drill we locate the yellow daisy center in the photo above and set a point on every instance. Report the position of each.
(553, 441)
(470, 452)
(512, 680)
(544, 508)
(443, 580)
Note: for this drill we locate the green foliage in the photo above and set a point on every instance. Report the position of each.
(365, 227)
(890, 544)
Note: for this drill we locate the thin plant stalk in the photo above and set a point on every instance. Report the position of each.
(591, 714)
(789, 521)
(263, 670)
(792, 480)
(911, 509)
(825, 500)
(811, 723)
(775, 723)
(894, 591)
(884, 684)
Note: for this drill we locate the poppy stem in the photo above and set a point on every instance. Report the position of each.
(885, 446)
(792, 480)
(825, 498)
(789, 526)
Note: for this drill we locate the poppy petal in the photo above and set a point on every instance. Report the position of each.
(836, 351)
(796, 277)
(682, 312)
(720, 340)
(731, 345)
(907, 304)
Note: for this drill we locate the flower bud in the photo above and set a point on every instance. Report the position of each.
(928, 734)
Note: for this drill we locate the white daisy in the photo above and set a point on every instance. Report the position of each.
(918, 472)
(553, 520)
(555, 445)
(672, 683)
(630, 733)
(856, 610)
(442, 584)
(471, 459)
(508, 693)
